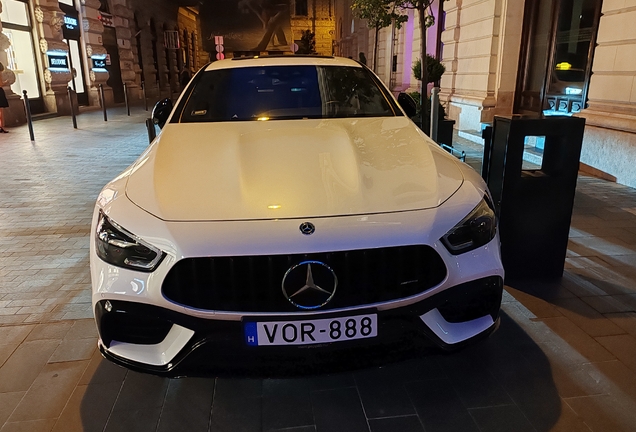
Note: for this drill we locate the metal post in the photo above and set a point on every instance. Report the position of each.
(126, 99)
(103, 102)
(143, 88)
(152, 132)
(159, 89)
(486, 134)
(70, 99)
(434, 113)
(27, 109)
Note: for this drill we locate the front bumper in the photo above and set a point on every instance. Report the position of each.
(164, 342)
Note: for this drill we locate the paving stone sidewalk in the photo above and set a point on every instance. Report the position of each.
(564, 358)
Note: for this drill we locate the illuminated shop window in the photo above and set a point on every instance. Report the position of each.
(14, 12)
(20, 54)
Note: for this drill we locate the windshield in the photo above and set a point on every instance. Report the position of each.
(285, 92)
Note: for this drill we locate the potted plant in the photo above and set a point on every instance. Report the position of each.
(435, 70)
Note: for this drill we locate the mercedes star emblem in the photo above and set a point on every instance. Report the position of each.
(309, 285)
(307, 228)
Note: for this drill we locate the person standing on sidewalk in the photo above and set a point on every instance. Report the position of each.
(4, 103)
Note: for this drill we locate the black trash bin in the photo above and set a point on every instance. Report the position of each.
(534, 206)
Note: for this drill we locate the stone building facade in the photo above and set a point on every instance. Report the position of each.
(317, 16)
(146, 48)
(536, 57)
(398, 48)
(609, 144)
(484, 52)
(36, 25)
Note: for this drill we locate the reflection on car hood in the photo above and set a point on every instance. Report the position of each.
(291, 169)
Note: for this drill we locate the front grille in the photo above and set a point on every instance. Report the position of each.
(253, 283)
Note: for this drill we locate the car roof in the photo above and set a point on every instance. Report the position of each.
(283, 60)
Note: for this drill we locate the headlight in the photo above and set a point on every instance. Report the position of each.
(120, 248)
(475, 230)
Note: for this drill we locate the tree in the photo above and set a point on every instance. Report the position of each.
(427, 19)
(307, 43)
(379, 14)
(434, 69)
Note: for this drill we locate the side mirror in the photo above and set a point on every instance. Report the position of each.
(161, 112)
(408, 104)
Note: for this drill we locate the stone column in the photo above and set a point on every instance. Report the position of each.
(123, 20)
(173, 72)
(49, 21)
(164, 73)
(135, 49)
(93, 30)
(148, 74)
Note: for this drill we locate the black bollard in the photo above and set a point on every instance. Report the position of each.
(486, 134)
(152, 132)
(103, 102)
(158, 90)
(434, 113)
(143, 89)
(27, 110)
(70, 99)
(126, 99)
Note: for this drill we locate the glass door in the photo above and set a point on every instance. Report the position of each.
(76, 63)
(572, 52)
(72, 35)
(556, 57)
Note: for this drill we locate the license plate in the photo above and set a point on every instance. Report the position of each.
(315, 331)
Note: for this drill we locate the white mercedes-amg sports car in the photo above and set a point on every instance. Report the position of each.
(289, 203)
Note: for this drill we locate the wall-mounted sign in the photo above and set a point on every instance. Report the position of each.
(57, 61)
(70, 22)
(70, 29)
(99, 63)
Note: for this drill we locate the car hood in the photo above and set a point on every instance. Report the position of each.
(291, 169)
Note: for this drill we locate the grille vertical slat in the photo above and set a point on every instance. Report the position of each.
(253, 291)
(271, 286)
(233, 281)
(253, 283)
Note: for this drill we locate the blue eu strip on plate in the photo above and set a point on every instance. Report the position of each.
(251, 335)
